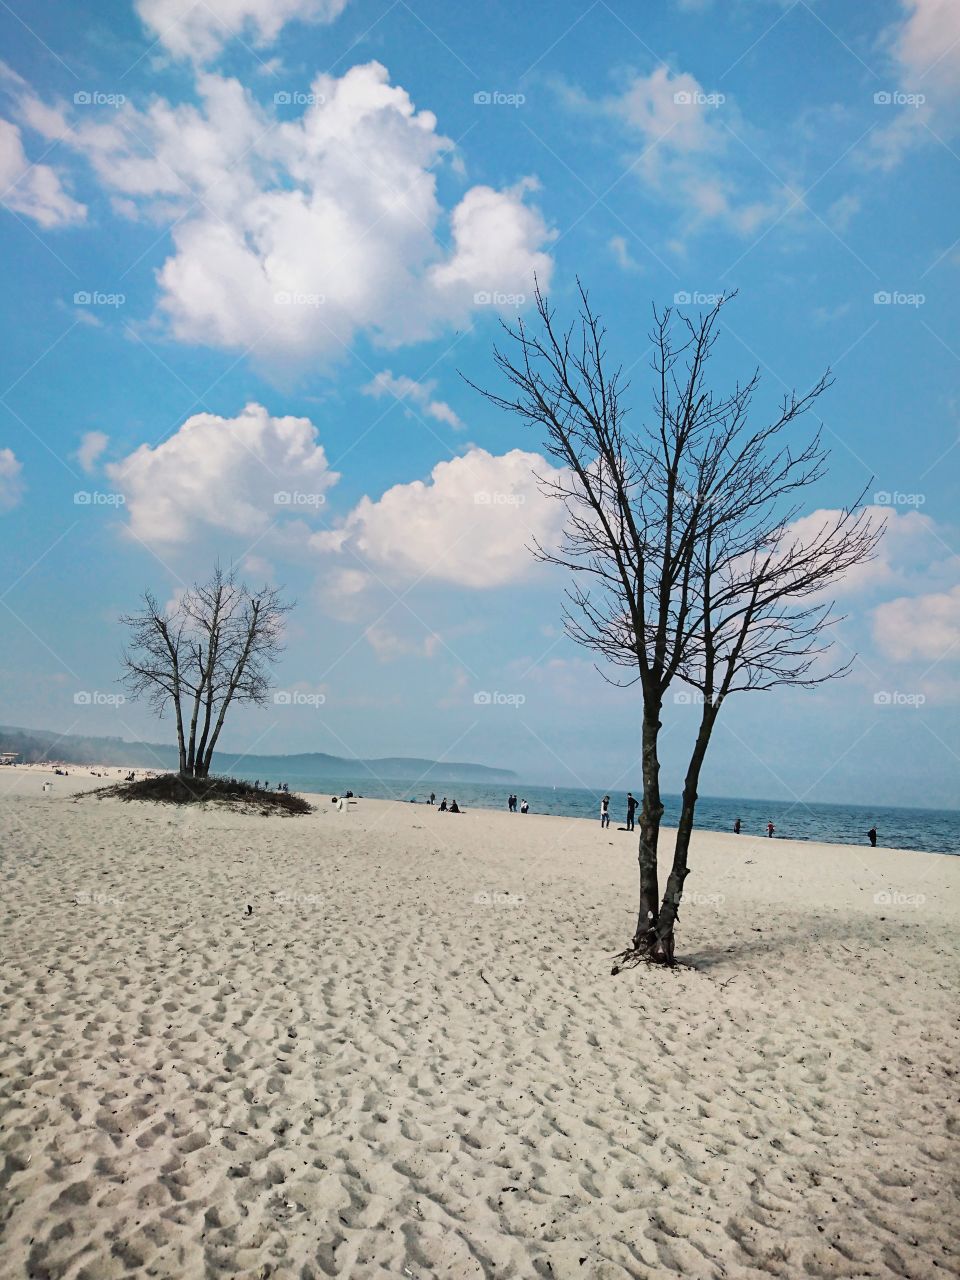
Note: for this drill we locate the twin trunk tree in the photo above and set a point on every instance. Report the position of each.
(683, 536)
(211, 648)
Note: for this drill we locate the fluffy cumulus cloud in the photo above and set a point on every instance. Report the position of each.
(910, 544)
(925, 627)
(418, 394)
(188, 29)
(231, 475)
(291, 236)
(33, 189)
(925, 93)
(11, 482)
(470, 524)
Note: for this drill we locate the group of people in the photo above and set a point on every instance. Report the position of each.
(631, 811)
(738, 825)
(281, 786)
(452, 807)
(512, 804)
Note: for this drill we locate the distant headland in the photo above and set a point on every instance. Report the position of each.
(35, 745)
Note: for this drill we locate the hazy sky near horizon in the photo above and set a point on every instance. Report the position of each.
(250, 246)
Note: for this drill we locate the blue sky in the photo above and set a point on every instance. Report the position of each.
(250, 247)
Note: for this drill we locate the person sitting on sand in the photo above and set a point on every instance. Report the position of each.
(454, 808)
(443, 805)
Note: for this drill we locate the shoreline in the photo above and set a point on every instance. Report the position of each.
(89, 777)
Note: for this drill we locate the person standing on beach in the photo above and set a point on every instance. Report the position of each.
(872, 837)
(736, 827)
(631, 810)
(605, 812)
(433, 797)
(770, 829)
(524, 806)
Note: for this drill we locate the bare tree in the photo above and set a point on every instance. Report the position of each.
(681, 534)
(213, 647)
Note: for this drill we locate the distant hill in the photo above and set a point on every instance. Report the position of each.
(41, 744)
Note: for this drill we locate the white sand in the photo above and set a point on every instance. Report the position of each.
(375, 1075)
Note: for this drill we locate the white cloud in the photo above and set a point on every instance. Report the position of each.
(91, 447)
(225, 475)
(926, 57)
(292, 237)
(619, 248)
(189, 29)
(389, 645)
(470, 524)
(496, 238)
(686, 157)
(11, 484)
(33, 189)
(910, 543)
(842, 212)
(419, 393)
(926, 626)
(668, 109)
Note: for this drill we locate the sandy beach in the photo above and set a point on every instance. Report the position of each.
(387, 1042)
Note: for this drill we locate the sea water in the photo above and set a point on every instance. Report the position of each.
(928, 830)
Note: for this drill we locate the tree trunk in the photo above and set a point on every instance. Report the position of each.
(662, 949)
(181, 745)
(202, 747)
(203, 671)
(651, 813)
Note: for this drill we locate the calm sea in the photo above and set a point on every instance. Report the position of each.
(929, 830)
